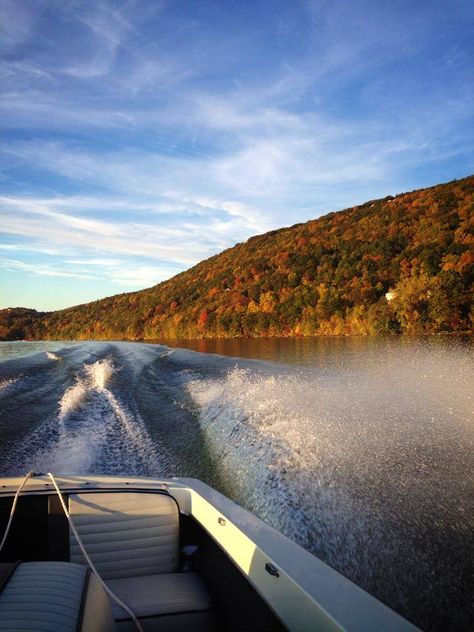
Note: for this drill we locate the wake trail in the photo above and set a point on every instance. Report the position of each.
(93, 431)
(362, 461)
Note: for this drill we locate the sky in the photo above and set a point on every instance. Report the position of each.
(141, 137)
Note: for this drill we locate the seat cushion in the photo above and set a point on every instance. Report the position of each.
(126, 534)
(54, 596)
(151, 595)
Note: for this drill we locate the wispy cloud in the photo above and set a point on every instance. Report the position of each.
(140, 138)
(119, 273)
(106, 29)
(41, 270)
(176, 244)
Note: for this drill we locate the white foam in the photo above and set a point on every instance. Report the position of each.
(336, 457)
(310, 438)
(100, 373)
(72, 397)
(7, 385)
(96, 428)
(53, 356)
(94, 378)
(8, 382)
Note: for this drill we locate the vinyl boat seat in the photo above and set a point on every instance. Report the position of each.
(133, 540)
(54, 597)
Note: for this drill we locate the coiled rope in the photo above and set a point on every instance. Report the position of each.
(90, 563)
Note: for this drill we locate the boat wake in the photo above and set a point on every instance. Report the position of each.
(6, 386)
(92, 431)
(52, 356)
(364, 465)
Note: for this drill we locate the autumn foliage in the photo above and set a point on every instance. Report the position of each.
(401, 265)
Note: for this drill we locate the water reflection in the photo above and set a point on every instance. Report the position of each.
(324, 351)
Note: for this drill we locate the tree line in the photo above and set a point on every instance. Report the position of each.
(401, 264)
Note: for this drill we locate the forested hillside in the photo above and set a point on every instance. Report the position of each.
(403, 264)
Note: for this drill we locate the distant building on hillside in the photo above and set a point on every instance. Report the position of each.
(390, 295)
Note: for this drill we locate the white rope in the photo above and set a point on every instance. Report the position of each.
(12, 510)
(79, 541)
(88, 559)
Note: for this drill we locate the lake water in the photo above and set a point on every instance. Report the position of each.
(359, 449)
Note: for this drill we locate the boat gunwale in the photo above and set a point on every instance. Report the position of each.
(306, 593)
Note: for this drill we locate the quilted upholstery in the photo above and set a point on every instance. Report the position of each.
(126, 534)
(133, 539)
(161, 594)
(47, 596)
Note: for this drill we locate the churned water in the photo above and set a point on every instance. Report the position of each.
(360, 451)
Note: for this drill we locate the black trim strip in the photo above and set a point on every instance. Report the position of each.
(58, 530)
(6, 571)
(82, 605)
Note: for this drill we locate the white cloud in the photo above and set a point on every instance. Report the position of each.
(250, 216)
(32, 247)
(155, 138)
(134, 239)
(180, 243)
(138, 276)
(120, 273)
(106, 31)
(42, 269)
(237, 111)
(107, 262)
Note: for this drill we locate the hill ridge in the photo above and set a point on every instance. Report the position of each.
(398, 264)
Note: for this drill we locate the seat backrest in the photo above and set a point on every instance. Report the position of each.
(54, 596)
(126, 534)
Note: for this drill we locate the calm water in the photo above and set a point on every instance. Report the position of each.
(359, 449)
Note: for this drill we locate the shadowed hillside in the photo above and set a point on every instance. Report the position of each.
(402, 264)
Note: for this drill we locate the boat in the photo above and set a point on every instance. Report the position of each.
(104, 553)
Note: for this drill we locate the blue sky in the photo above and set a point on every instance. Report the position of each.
(140, 137)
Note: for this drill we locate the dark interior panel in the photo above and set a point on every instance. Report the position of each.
(40, 531)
